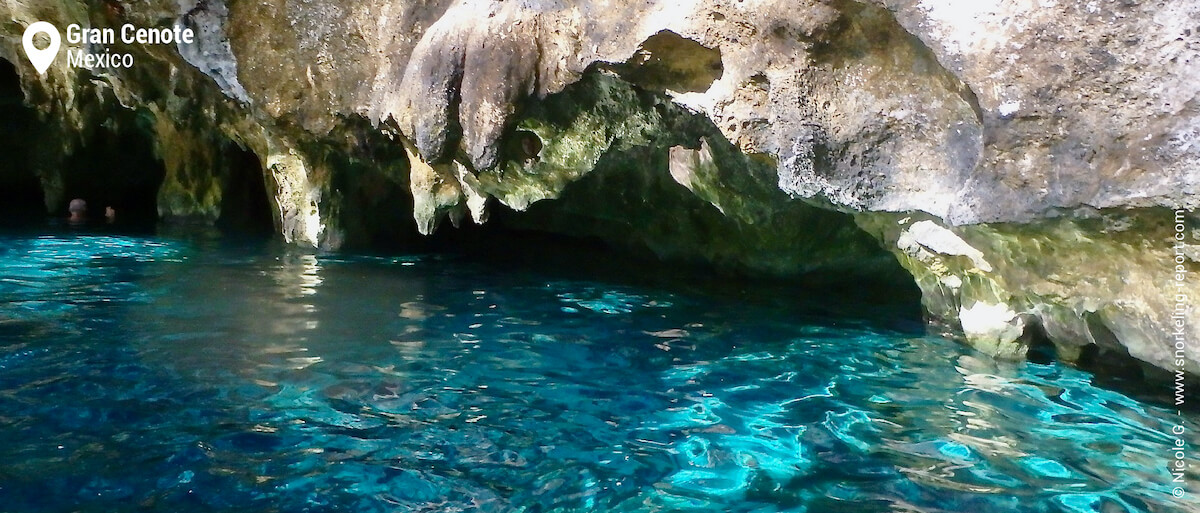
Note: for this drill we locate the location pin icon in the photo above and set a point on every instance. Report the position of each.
(41, 59)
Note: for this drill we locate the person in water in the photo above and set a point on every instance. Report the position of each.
(110, 214)
(78, 210)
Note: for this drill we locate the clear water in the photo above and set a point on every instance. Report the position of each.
(149, 374)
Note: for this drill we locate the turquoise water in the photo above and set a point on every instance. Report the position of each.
(151, 374)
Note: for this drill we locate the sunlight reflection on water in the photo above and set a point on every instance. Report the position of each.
(147, 374)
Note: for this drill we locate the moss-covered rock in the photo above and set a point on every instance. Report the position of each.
(1106, 281)
(772, 136)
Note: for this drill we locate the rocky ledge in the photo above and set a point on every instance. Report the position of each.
(1030, 163)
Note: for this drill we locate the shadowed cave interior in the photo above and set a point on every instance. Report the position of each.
(20, 191)
(115, 165)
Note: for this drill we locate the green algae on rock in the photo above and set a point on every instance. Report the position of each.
(1021, 161)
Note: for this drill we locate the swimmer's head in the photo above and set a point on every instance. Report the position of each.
(77, 208)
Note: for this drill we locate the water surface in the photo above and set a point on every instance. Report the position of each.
(143, 373)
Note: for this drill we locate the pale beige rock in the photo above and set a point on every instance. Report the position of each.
(1037, 148)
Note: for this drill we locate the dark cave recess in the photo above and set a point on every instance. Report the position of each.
(20, 189)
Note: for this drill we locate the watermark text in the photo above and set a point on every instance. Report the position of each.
(1180, 315)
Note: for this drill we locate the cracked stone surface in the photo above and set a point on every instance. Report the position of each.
(1022, 159)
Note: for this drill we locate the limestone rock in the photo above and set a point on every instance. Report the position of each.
(1023, 160)
(1082, 103)
(994, 329)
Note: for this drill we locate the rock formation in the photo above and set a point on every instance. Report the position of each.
(1023, 160)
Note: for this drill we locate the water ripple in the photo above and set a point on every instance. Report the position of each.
(136, 374)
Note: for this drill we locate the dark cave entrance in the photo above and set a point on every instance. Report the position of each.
(114, 163)
(116, 167)
(21, 194)
(525, 241)
(245, 202)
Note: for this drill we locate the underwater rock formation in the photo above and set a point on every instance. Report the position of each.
(1024, 161)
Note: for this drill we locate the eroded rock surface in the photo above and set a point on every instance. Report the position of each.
(1023, 160)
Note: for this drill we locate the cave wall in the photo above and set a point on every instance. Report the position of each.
(1022, 160)
(20, 188)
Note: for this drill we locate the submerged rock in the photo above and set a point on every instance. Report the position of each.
(1024, 161)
